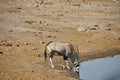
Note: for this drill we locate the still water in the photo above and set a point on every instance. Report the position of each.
(100, 69)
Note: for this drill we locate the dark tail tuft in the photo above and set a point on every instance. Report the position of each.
(45, 54)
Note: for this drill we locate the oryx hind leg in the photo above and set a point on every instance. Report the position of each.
(51, 57)
(51, 61)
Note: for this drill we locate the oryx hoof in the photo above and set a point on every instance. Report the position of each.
(63, 66)
(52, 66)
(67, 67)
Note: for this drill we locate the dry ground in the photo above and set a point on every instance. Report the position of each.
(93, 26)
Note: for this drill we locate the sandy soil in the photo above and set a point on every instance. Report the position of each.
(92, 26)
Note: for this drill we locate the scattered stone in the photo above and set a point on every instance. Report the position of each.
(76, 4)
(46, 24)
(26, 43)
(40, 32)
(42, 42)
(66, 11)
(108, 29)
(40, 22)
(1, 52)
(115, 0)
(54, 37)
(119, 38)
(18, 41)
(95, 27)
(81, 29)
(33, 48)
(88, 41)
(49, 36)
(17, 45)
(18, 8)
(6, 44)
(37, 33)
(9, 44)
(39, 55)
(60, 14)
(11, 31)
(29, 22)
(31, 71)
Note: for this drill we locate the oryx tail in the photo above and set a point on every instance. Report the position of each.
(45, 51)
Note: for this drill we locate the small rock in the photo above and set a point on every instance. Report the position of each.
(119, 38)
(49, 36)
(46, 24)
(76, 4)
(40, 22)
(81, 29)
(60, 14)
(35, 34)
(39, 55)
(40, 32)
(1, 52)
(31, 71)
(17, 45)
(66, 11)
(88, 41)
(19, 8)
(115, 1)
(26, 43)
(108, 29)
(11, 31)
(29, 22)
(95, 27)
(6, 44)
(54, 37)
(18, 41)
(33, 48)
(44, 21)
(42, 42)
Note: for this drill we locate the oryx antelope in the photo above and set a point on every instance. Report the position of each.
(64, 49)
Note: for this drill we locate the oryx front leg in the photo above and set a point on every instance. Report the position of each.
(65, 64)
